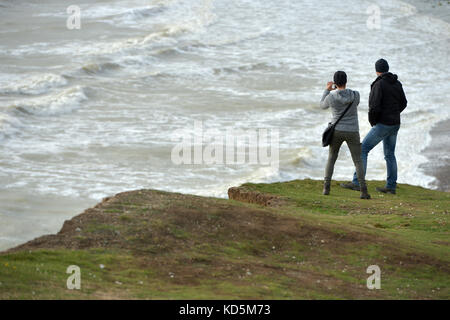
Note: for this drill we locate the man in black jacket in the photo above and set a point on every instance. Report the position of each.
(386, 101)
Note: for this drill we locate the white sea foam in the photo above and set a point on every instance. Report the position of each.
(30, 84)
(257, 175)
(9, 125)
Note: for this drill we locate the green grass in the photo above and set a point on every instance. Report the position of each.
(158, 245)
(414, 213)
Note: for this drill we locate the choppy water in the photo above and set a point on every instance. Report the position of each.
(88, 113)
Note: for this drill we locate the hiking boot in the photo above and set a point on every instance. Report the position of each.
(386, 190)
(350, 185)
(364, 193)
(326, 188)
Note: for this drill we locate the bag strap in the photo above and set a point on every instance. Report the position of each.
(343, 114)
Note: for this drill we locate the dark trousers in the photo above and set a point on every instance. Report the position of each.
(353, 143)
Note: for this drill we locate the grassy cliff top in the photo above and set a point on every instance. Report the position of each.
(273, 241)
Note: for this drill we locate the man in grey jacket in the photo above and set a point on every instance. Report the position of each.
(346, 130)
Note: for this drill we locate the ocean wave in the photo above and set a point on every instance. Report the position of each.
(192, 19)
(259, 66)
(55, 104)
(296, 156)
(111, 10)
(236, 38)
(165, 35)
(98, 68)
(33, 84)
(165, 32)
(423, 20)
(183, 17)
(134, 15)
(257, 175)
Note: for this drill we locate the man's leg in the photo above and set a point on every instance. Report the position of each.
(333, 153)
(389, 155)
(355, 150)
(374, 137)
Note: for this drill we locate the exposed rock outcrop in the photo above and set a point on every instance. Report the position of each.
(245, 195)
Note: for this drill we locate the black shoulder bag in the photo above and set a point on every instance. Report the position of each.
(327, 135)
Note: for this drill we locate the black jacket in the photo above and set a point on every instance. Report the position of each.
(387, 100)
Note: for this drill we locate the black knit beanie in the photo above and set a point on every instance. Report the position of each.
(381, 66)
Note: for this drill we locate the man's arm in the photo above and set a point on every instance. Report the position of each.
(403, 101)
(375, 98)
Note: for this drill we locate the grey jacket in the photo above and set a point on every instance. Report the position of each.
(338, 100)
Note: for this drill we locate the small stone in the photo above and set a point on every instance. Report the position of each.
(101, 266)
(118, 282)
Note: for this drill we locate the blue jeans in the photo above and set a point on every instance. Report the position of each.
(387, 134)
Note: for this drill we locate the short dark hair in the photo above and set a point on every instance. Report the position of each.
(340, 78)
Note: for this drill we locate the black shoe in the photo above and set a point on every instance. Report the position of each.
(386, 190)
(326, 188)
(364, 193)
(350, 185)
